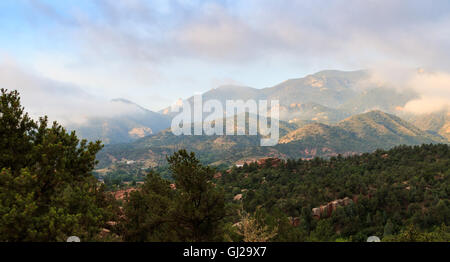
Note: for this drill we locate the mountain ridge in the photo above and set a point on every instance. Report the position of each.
(123, 127)
(354, 135)
(328, 97)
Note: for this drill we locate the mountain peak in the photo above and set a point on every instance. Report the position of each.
(374, 115)
(228, 89)
(380, 124)
(341, 73)
(232, 87)
(122, 100)
(128, 102)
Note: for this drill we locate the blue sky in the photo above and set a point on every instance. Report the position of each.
(154, 52)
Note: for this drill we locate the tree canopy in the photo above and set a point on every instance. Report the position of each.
(47, 191)
(189, 209)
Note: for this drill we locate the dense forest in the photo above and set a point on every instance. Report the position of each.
(391, 194)
(48, 192)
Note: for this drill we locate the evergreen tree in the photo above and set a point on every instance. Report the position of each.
(200, 207)
(147, 212)
(47, 191)
(191, 210)
(324, 231)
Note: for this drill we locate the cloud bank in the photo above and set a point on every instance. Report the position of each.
(168, 49)
(434, 89)
(60, 101)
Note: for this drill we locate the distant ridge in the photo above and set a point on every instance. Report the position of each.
(357, 134)
(124, 127)
(326, 97)
(362, 133)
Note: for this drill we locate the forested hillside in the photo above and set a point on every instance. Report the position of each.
(388, 191)
(48, 192)
(398, 195)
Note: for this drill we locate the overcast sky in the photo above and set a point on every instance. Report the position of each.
(154, 52)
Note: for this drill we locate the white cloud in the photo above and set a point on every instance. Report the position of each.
(61, 101)
(125, 47)
(434, 89)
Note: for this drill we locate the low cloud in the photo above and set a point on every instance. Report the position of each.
(60, 101)
(432, 87)
(434, 90)
(122, 45)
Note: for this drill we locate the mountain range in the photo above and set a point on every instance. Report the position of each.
(324, 114)
(357, 134)
(327, 96)
(136, 122)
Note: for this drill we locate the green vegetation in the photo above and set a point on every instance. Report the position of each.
(391, 190)
(357, 134)
(122, 128)
(194, 211)
(122, 176)
(48, 192)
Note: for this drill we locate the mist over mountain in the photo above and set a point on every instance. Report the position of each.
(326, 97)
(435, 123)
(329, 88)
(136, 122)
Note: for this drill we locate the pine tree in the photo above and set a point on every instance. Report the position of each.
(324, 231)
(191, 210)
(47, 191)
(200, 207)
(147, 212)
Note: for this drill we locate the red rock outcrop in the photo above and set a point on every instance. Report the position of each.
(327, 210)
(274, 162)
(120, 194)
